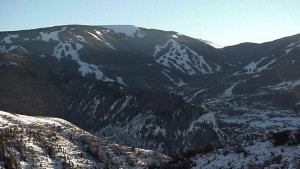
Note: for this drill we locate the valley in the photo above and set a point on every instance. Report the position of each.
(149, 89)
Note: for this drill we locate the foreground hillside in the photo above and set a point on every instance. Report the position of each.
(280, 150)
(41, 142)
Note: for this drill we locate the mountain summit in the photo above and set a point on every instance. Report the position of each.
(148, 88)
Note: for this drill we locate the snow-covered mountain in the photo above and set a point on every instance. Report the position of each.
(154, 89)
(113, 81)
(111, 53)
(43, 142)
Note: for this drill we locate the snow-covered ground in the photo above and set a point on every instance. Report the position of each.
(181, 57)
(129, 30)
(292, 46)
(66, 49)
(252, 67)
(251, 155)
(211, 44)
(47, 36)
(228, 92)
(99, 36)
(8, 38)
(72, 146)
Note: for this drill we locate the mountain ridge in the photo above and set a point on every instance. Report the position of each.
(125, 87)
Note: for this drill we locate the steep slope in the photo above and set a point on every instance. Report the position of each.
(150, 88)
(127, 55)
(42, 142)
(113, 81)
(255, 96)
(137, 118)
(262, 69)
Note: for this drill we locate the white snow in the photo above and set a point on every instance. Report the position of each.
(218, 68)
(94, 35)
(129, 30)
(112, 107)
(292, 46)
(206, 118)
(178, 82)
(7, 39)
(120, 81)
(258, 155)
(181, 57)
(265, 66)
(209, 118)
(286, 85)
(191, 98)
(125, 103)
(212, 44)
(252, 66)
(84, 68)
(100, 37)
(51, 35)
(228, 92)
(158, 130)
(2, 49)
(13, 47)
(67, 141)
(80, 38)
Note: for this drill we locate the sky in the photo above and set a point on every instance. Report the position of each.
(224, 22)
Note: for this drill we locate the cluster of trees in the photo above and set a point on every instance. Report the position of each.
(6, 154)
(285, 137)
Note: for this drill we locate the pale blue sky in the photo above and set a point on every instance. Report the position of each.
(225, 22)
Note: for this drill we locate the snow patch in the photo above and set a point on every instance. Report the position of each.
(160, 130)
(125, 103)
(178, 82)
(292, 46)
(13, 47)
(218, 68)
(120, 81)
(191, 98)
(252, 67)
(51, 35)
(100, 37)
(286, 85)
(7, 39)
(65, 49)
(212, 44)
(258, 155)
(2, 49)
(181, 57)
(174, 36)
(129, 30)
(80, 38)
(228, 92)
